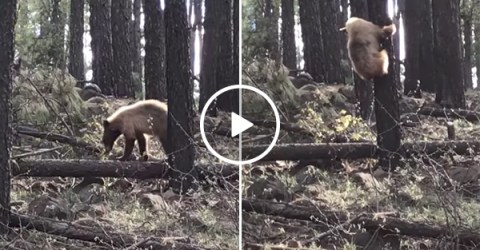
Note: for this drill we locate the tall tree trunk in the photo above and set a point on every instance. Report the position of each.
(412, 41)
(448, 54)
(196, 31)
(288, 35)
(181, 153)
(363, 89)
(154, 29)
(100, 31)
(332, 52)
(76, 65)
(56, 52)
(427, 78)
(208, 84)
(227, 102)
(312, 38)
(122, 68)
(476, 27)
(386, 98)
(136, 37)
(271, 13)
(8, 12)
(236, 38)
(467, 35)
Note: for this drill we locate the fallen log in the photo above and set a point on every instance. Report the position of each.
(129, 169)
(309, 151)
(57, 138)
(367, 221)
(93, 234)
(469, 115)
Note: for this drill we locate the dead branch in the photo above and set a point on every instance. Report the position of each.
(129, 169)
(92, 234)
(38, 152)
(468, 115)
(356, 150)
(57, 138)
(367, 221)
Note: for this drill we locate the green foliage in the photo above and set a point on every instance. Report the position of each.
(40, 33)
(40, 95)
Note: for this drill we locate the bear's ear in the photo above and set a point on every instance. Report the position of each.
(105, 123)
(389, 30)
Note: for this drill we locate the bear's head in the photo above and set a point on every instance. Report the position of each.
(110, 135)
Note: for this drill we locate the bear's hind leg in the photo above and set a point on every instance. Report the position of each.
(142, 145)
(129, 144)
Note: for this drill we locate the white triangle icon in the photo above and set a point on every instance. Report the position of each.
(239, 124)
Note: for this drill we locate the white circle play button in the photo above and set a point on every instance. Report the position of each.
(239, 124)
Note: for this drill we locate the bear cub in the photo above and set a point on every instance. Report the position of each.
(134, 121)
(364, 51)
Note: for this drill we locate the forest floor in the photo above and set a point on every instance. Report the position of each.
(141, 208)
(437, 190)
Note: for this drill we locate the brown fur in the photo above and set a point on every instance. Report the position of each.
(133, 121)
(364, 50)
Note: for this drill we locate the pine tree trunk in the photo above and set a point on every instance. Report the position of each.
(412, 42)
(100, 31)
(154, 29)
(136, 37)
(56, 52)
(180, 97)
(363, 89)
(227, 102)
(122, 68)
(288, 35)
(8, 12)
(448, 54)
(76, 65)
(467, 36)
(208, 84)
(312, 39)
(386, 98)
(476, 28)
(427, 66)
(329, 10)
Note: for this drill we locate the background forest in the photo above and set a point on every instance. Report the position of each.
(386, 164)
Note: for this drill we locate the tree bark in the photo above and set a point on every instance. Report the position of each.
(293, 152)
(122, 67)
(56, 51)
(75, 231)
(101, 33)
(136, 37)
(236, 39)
(329, 10)
(413, 15)
(448, 54)
(313, 53)
(467, 48)
(370, 222)
(8, 15)
(154, 29)
(271, 15)
(228, 101)
(289, 48)
(427, 63)
(76, 66)
(208, 79)
(363, 89)
(180, 148)
(386, 97)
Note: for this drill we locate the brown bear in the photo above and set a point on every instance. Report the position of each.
(364, 50)
(133, 121)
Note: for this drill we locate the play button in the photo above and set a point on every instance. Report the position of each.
(239, 124)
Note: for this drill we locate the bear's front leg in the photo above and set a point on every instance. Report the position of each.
(142, 146)
(129, 143)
